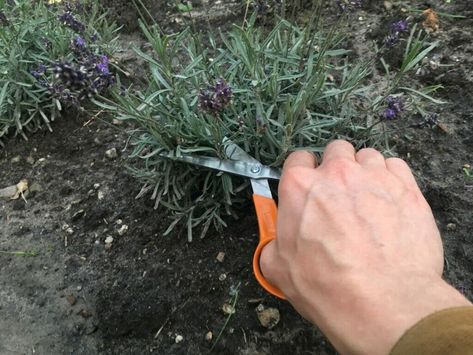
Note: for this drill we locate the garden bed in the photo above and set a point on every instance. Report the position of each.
(145, 293)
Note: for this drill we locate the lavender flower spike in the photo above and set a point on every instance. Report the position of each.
(400, 26)
(68, 19)
(394, 109)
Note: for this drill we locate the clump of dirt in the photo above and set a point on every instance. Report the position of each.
(98, 287)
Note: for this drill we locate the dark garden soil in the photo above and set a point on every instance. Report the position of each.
(145, 293)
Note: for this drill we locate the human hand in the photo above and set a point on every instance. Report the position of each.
(357, 250)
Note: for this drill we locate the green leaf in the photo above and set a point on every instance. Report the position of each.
(184, 7)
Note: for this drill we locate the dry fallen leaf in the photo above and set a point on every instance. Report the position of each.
(15, 191)
(431, 22)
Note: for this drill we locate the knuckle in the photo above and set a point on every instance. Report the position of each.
(397, 162)
(339, 166)
(289, 179)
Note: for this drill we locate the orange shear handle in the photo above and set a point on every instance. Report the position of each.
(266, 211)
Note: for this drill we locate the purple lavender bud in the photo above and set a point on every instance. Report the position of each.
(215, 98)
(79, 42)
(400, 26)
(68, 19)
(389, 114)
(102, 66)
(391, 40)
(39, 71)
(395, 103)
(94, 37)
(397, 28)
(394, 109)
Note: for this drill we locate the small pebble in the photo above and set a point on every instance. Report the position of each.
(220, 257)
(16, 159)
(388, 5)
(100, 195)
(109, 240)
(117, 122)
(178, 339)
(96, 186)
(209, 336)
(70, 231)
(30, 160)
(71, 299)
(118, 221)
(228, 309)
(79, 288)
(84, 313)
(111, 153)
(268, 317)
(35, 187)
(451, 226)
(123, 229)
(222, 277)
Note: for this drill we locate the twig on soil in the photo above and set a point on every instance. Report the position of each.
(168, 318)
(93, 118)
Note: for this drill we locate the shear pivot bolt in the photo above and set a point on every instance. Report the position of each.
(255, 169)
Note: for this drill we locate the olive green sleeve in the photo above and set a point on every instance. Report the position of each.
(447, 332)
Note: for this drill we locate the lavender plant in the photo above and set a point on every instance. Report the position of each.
(53, 57)
(269, 92)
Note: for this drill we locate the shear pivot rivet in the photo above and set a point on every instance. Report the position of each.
(256, 169)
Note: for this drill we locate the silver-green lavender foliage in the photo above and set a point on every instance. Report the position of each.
(52, 57)
(291, 88)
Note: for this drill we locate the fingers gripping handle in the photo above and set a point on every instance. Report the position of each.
(266, 212)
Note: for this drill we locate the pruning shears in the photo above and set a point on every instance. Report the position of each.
(242, 164)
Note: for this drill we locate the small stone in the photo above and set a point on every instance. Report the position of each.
(222, 277)
(79, 288)
(40, 160)
(178, 339)
(35, 187)
(118, 221)
(96, 186)
(388, 5)
(84, 313)
(209, 336)
(111, 153)
(228, 309)
(109, 240)
(16, 159)
(100, 195)
(70, 231)
(220, 257)
(268, 317)
(71, 299)
(117, 122)
(30, 160)
(451, 226)
(123, 229)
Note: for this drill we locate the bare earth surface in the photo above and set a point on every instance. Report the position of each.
(145, 293)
